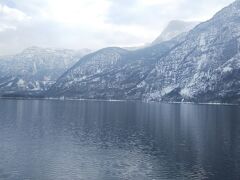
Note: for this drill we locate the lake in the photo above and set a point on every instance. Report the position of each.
(100, 140)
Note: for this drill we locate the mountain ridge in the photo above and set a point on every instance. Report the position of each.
(200, 65)
(35, 68)
(191, 67)
(174, 29)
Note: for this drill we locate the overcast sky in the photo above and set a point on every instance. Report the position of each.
(93, 24)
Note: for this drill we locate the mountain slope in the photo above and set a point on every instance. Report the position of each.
(35, 69)
(174, 29)
(111, 73)
(201, 66)
(200, 69)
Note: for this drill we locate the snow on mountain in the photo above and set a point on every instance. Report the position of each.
(35, 69)
(202, 66)
(173, 29)
(111, 73)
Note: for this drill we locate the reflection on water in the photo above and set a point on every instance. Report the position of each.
(97, 140)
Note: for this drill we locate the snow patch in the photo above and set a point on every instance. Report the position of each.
(20, 83)
(154, 95)
(142, 84)
(227, 69)
(202, 40)
(186, 92)
(167, 90)
(203, 60)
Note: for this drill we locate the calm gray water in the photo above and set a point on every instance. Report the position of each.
(96, 140)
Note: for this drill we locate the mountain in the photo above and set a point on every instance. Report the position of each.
(111, 73)
(35, 69)
(205, 67)
(173, 29)
(201, 66)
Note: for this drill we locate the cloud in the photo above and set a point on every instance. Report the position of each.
(11, 14)
(4, 27)
(93, 23)
(155, 13)
(10, 17)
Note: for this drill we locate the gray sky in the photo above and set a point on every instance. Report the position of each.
(93, 24)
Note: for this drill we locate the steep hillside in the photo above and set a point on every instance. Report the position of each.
(201, 66)
(35, 69)
(111, 73)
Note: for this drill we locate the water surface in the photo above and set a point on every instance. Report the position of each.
(99, 140)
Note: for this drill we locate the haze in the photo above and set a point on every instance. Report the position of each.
(93, 24)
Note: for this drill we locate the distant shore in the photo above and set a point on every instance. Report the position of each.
(118, 100)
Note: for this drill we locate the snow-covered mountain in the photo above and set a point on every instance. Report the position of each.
(203, 65)
(175, 28)
(111, 73)
(35, 69)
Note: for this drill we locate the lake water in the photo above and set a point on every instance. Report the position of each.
(99, 140)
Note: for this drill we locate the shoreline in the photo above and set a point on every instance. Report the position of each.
(115, 100)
